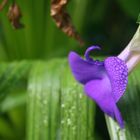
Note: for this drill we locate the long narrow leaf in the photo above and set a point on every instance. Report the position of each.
(11, 74)
(57, 107)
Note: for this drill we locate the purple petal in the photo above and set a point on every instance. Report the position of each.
(118, 73)
(105, 82)
(118, 116)
(84, 70)
(101, 92)
(88, 52)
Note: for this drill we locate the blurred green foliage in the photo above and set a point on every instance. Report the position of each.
(138, 21)
(108, 24)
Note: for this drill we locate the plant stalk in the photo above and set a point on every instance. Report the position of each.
(131, 54)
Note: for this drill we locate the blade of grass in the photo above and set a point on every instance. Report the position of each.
(57, 108)
(11, 74)
(12, 101)
(6, 131)
(77, 112)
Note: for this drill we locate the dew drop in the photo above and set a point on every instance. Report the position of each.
(63, 105)
(68, 121)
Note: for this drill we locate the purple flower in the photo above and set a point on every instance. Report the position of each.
(104, 81)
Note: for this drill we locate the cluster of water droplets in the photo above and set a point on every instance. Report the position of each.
(118, 73)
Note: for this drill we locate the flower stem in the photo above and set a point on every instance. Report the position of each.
(131, 54)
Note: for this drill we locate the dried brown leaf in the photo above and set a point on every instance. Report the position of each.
(2, 5)
(63, 19)
(14, 16)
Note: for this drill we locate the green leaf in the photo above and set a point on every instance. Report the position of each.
(129, 106)
(11, 75)
(57, 107)
(131, 7)
(12, 101)
(6, 131)
(138, 20)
